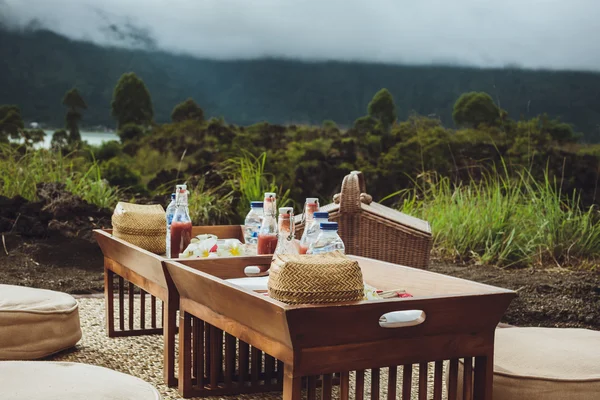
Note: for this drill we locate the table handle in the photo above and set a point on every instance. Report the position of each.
(253, 270)
(401, 319)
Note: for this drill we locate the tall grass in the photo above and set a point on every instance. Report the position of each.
(249, 180)
(506, 220)
(21, 172)
(208, 207)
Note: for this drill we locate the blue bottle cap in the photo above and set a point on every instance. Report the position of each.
(329, 226)
(256, 204)
(173, 196)
(321, 214)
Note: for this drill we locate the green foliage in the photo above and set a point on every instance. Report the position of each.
(506, 221)
(60, 140)
(187, 110)
(475, 108)
(129, 132)
(73, 100)
(21, 172)
(131, 102)
(118, 173)
(11, 122)
(210, 206)
(247, 177)
(382, 108)
(108, 150)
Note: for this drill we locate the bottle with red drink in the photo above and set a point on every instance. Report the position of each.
(181, 227)
(267, 234)
(285, 235)
(310, 207)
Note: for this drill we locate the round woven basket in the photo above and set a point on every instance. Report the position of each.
(142, 225)
(315, 279)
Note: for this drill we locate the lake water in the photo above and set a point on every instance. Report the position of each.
(93, 138)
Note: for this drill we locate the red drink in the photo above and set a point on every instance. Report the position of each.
(266, 244)
(303, 249)
(181, 235)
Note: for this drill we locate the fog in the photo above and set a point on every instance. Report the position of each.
(556, 34)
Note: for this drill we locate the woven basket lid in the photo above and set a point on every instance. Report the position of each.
(354, 199)
(324, 278)
(139, 219)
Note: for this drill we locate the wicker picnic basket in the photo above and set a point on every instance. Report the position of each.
(315, 279)
(372, 230)
(142, 225)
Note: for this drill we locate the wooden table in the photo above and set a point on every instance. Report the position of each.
(317, 346)
(137, 270)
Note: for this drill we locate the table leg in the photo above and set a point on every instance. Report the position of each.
(185, 354)
(109, 301)
(292, 385)
(169, 331)
(484, 377)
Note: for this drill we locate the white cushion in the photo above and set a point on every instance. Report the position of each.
(46, 380)
(35, 323)
(545, 364)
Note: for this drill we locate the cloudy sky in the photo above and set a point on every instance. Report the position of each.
(557, 34)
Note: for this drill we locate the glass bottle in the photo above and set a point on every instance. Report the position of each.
(181, 227)
(252, 222)
(328, 240)
(267, 234)
(310, 207)
(169, 214)
(312, 230)
(285, 235)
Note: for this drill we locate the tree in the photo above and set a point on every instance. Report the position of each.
(74, 102)
(475, 108)
(187, 110)
(131, 101)
(11, 122)
(60, 140)
(130, 132)
(382, 108)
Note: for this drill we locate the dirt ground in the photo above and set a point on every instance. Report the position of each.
(546, 297)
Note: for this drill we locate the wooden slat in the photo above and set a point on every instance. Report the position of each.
(423, 381)
(131, 308)
(269, 369)
(256, 365)
(198, 351)
(392, 378)
(311, 388)
(484, 377)
(452, 379)
(243, 361)
(345, 385)
(437, 380)
(162, 313)
(207, 352)
(280, 369)
(230, 355)
(121, 303)
(216, 353)
(326, 390)
(185, 354)
(375, 384)
(360, 385)
(406, 381)
(142, 309)
(468, 378)
(153, 311)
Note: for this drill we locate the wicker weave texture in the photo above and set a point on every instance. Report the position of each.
(376, 231)
(142, 225)
(315, 279)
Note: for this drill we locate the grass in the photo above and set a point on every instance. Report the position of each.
(208, 206)
(21, 172)
(506, 221)
(247, 177)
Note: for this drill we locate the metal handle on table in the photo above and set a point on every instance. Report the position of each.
(401, 319)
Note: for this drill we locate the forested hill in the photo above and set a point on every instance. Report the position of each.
(37, 68)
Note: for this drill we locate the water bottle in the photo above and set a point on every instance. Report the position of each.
(267, 235)
(252, 222)
(328, 240)
(312, 230)
(285, 233)
(170, 212)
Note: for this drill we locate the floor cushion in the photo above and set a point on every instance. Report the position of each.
(545, 363)
(47, 380)
(35, 323)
